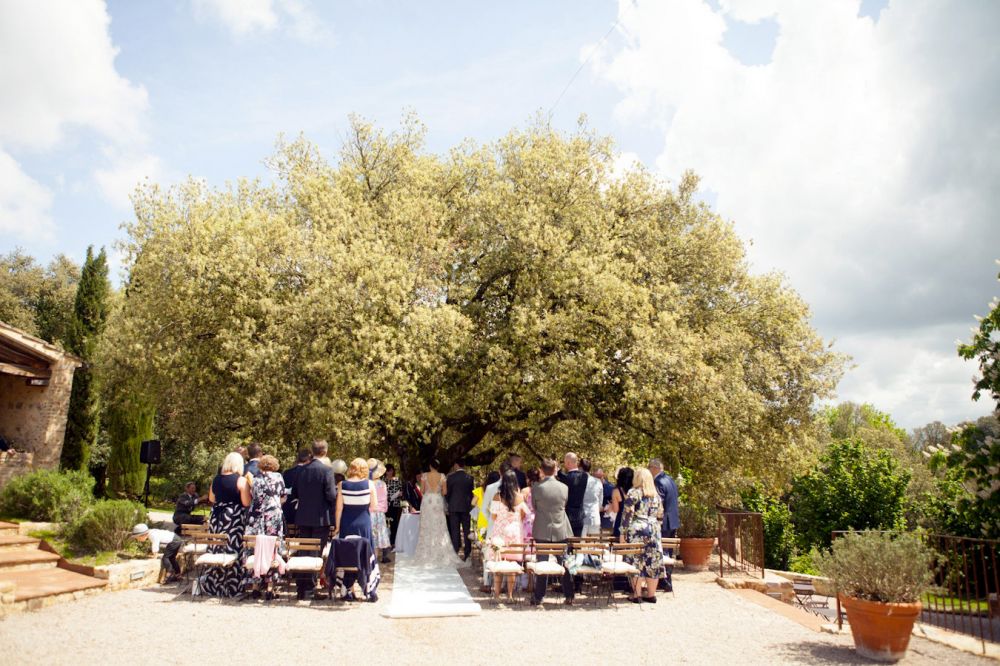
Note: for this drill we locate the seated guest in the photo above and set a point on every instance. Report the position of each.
(291, 474)
(230, 496)
(185, 506)
(624, 484)
(172, 544)
(254, 451)
(508, 512)
(267, 494)
(641, 524)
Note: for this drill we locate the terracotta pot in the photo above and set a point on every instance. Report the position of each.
(881, 631)
(696, 551)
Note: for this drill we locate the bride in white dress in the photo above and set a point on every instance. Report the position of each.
(433, 542)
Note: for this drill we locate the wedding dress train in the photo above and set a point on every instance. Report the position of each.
(433, 541)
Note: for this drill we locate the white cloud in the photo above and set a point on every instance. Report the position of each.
(24, 203)
(59, 75)
(247, 17)
(125, 172)
(862, 161)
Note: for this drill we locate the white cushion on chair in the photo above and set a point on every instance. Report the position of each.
(504, 567)
(547, 568)
(588, 571)
(215, 560)
(669, 561)
(304, 563)
(619, 568)
(195, 548)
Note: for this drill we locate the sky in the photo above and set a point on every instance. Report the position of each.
(854, 145)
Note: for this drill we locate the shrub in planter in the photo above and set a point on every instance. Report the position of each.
(48, 496)
(106, 526)
(697, 533)
(880, 578)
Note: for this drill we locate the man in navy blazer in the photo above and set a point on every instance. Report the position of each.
(315, 491)
(666, 487)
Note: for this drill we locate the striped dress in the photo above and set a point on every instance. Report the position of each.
(355, 519)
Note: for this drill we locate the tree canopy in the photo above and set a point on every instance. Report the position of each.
(517, 295)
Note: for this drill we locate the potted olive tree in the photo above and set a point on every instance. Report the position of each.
(880, 578)
(697, 532)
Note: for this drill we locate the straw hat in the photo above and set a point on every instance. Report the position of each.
(376, 467)
(339, 466)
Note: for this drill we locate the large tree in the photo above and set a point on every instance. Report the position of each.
(517, 295)
(90, 313)
(38, 300)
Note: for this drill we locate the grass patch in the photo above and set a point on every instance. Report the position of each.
(948, 604)
(133, 551)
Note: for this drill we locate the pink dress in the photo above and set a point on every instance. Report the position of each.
(507, 525)
(528, 523)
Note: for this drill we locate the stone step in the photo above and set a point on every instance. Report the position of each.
(8, 528)
(16, 541)
(52, 582)
(24, 560)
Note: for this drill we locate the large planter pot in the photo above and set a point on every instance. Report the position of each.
(881, 631)
(696, 551)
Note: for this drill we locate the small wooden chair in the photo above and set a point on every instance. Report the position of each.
(305, 556)
(805, 592)
(670, 545)
(551, 566)
(593, 577)
(617, 566)
(250, 544)
(190, 551)
(509, 562)
(209, 560)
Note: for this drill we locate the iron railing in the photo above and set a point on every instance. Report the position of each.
(741, 541)
(966, 586)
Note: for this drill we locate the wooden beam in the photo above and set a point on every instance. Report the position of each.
(24, 371)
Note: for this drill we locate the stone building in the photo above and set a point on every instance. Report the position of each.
(35, 383)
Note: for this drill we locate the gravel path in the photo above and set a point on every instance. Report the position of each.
(703, 624)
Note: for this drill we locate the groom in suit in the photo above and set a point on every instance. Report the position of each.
(459, 485)
(551, 524)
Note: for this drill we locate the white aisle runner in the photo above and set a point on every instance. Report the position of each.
(428, 591)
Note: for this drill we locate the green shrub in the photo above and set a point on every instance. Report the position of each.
(805, 563)
(879, 566)
(779, 537)
(697, 520)
(48, 496)
(106, 526)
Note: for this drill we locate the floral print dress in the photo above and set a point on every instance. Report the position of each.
(507, 527)
(641, 525)
(265, 514)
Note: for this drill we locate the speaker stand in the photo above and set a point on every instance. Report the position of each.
(145, 491)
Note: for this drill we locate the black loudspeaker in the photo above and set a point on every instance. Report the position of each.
(149, 452)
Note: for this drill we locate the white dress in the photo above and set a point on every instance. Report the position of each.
(433, 543)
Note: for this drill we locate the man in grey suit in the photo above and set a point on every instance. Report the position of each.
(551, 524)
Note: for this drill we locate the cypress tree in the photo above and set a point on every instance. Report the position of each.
(90, 313)
(128, 423)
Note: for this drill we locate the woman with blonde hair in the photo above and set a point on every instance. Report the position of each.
(230, 496)
(355, 502)
(641, 524)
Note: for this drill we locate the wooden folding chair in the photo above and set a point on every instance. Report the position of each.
(592, 575)
(671, 546)
(551, 566)
(509, 562)
(250, 544)
(617, 566)
(305, 556)
(208, 559)
(805, 591)
(191, 550)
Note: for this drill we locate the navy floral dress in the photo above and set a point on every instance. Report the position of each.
(265, 516)
(641, 525)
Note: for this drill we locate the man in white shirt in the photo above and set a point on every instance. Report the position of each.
(170, 541)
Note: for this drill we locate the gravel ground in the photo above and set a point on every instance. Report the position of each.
(703, 624)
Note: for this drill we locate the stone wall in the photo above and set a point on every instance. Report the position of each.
(33, 418)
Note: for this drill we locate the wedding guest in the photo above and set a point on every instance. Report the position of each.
(185, 506)
(508, 511)
(291, 475)
(483, 521)
(624, 484)
(380, 527)
(576, 482)
(527, 525)
(489, 493)
(355, 504)
(339, 468)
(316, 494)
(551, 524)
(320, 449)
(641, 524)
(412, 492)
(230, 496)
(609, 489)
(171, 543)
(267, 494)
(254, 451)
(458, 503)
(667, 489)
(516, 463)
(593, 497)
(394, 491)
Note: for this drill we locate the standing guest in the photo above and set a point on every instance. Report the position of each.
(551, 524)
(489, 493)
(185, 507)
(267, 494)
(641, 524)
(291, 476)
(230, 496)
(320, 449)
(527, 525)
(667, 489)
(255, 451)
(576, 482)
(624, 484)
(339, 468)
(516, 463)
(394, 490)
(508, 511)
(355, 504)
(316, 494)
(609, 490)
(170, 541)
(380, 528)
(458, 503)
(483, 522)
(593, 497)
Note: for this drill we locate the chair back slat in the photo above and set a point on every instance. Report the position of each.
(210, 539)
(302, 545)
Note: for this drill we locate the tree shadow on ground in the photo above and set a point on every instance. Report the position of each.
(819, 652)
